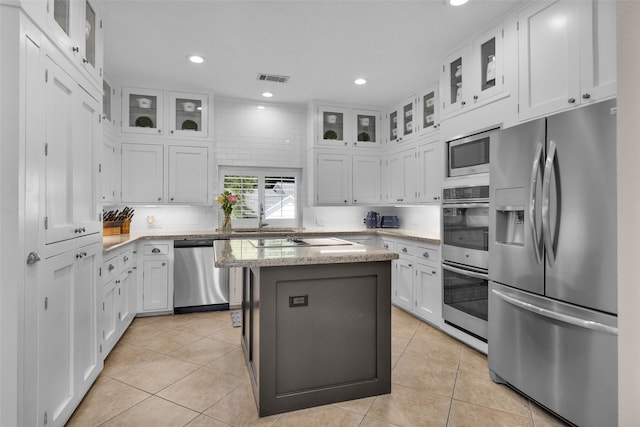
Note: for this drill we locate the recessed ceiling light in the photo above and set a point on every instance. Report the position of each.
(260, 107)
(457, 2)
(196, 59)
(360, 81)
(267, 94)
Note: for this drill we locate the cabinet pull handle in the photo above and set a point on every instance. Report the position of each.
(111, 267)
(32, 258)
(571, 100)
(586, 95)
(125, 259)
(155, 250)
(426, 254)
(386, 246)
(75, 49)
(475, 97)
(84, 60)
(404, 250)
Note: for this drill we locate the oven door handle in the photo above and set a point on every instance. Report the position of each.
(464, 272)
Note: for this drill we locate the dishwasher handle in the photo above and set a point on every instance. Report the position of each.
(193, 243)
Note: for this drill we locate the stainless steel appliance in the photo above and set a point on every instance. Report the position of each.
(469, 154)
(197, 284)
(465, 231)
(552, 264)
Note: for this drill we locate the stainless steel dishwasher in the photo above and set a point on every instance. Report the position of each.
(198, 285)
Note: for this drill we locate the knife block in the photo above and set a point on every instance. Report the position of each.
(111, 228)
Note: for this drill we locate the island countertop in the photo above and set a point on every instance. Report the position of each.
(273, 252)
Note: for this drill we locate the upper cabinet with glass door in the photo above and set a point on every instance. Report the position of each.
(76, 26)
(427, 115)
(142, 111)
(188, 114)
(400, 120)
(473, 73)
(348, 127)
(109, 103)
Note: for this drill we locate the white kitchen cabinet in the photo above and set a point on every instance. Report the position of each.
(344, 179)
(157, 278)
(110, 104)
(347, 127)
(429, 171)
(474, 73)
(188, 114)
(366, 170)
(118, 298)
(567, 55)
(402, 169)
(401, 125)
(142, 111)
(73, 133)
(427, 117)
(76, 26)
(68, 354)
(107, 168)
(142, 173)
(416, 280)
(188, 175)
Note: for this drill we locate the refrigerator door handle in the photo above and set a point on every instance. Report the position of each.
(546, 208)
(565, 318)
(535, 171)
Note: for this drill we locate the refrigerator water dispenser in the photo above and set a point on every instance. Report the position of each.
(510, 226)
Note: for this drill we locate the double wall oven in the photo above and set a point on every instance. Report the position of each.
(465, 258)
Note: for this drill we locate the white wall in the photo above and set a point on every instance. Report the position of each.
(628, 208)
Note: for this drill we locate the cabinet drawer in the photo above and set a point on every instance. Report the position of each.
(109, 269)
(425, 253)
(155, 249)
(406, 249)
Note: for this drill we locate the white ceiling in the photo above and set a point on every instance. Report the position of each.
(397, 45)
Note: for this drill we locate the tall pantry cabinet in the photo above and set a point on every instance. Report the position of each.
(51, 148)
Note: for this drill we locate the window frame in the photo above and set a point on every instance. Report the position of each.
(262, 173)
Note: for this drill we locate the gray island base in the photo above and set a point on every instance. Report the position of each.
(315, 334)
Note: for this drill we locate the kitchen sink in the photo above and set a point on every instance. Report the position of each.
(293, 242)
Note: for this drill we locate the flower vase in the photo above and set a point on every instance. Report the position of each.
(226, 223)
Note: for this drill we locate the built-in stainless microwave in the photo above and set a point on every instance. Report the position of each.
(469, 154)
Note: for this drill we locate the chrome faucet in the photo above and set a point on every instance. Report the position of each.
(261, 217)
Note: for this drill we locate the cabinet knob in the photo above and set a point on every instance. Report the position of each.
(586, 95)
(355, 201)
(346, 143)
(75, 49)
(159, 130)
(125, 258)
(164, 263)
(159, 198)
(386, 246)
(426, 254)
(571, 100)
(404, 250)
(172, 199)
(111, 267)
(463, 103)
(345, 201)
(475, 97)
(355, 143)
(171, 131)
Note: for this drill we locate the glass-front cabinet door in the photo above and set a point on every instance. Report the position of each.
(454, 81)
(92, 41)
(188, 114)
(142, 111)
(407, 115)
(367, 128)
(427, 110)
(401, 121)
(488, 60)
(333, 126)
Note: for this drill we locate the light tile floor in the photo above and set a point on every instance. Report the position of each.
(188, 370)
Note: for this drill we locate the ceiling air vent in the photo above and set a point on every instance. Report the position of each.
(273, 78)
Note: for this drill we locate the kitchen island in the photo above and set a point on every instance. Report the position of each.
(316, 319)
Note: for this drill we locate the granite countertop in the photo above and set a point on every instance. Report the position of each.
(117, 241)
(275, 252)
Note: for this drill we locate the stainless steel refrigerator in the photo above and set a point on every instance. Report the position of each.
(552, 263)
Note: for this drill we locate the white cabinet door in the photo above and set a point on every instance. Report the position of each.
(404, 284)
(86, 182)
(68, 359)
(427, 116)
(455, 87)
(188, 114)
(427, 295)
(107, 169)
(332, 179)
(142, 173)
(366, 179)
(598, 50)
(142, 111)
(366, 128)
(400, 119)
(487, 66)
(188, 175)
(402, 177)
(549, 57)
(155, 284)
(108, 318)
(430, 176)
(71, 168)
(334, 126)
